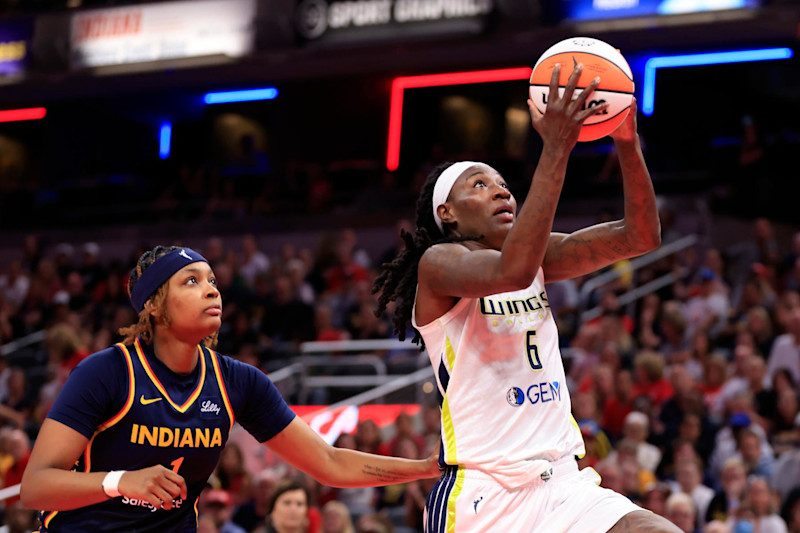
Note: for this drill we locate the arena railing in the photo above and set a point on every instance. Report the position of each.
(635, 264)
(36, 337)
(352, 364)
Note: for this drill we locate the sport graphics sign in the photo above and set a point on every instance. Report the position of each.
(371, 18)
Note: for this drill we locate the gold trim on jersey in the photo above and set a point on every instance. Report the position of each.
(87, 454)
(222, 388)
(195, 394)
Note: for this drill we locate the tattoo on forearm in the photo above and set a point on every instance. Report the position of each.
(382, 474)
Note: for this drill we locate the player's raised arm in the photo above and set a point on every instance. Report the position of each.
(480, 204)
(301, 447)
(592, 248)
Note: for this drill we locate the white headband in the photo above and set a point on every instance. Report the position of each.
(445, 182)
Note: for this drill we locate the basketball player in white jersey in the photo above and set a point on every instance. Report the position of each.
(471, 282)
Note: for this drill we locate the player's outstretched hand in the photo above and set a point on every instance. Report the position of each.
(563, 118)
(156, 484)
(627, 130)
(433, 469)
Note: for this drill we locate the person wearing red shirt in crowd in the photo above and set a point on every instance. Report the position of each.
(649, 378)
(18, 447)
(618, 406)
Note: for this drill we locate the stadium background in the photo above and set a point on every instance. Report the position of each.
(297, 200)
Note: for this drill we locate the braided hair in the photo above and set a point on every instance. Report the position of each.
(145, 327)
(398, 280)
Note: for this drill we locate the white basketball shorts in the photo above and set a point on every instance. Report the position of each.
(562, 500)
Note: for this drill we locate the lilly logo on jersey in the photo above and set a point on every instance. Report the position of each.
(544, 392)
(209, 407)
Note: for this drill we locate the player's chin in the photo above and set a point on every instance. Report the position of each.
(210, 325)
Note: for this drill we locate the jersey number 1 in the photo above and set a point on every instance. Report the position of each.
(176, 464)
(533, 351)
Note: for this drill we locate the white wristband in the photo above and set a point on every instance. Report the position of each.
(111, 483)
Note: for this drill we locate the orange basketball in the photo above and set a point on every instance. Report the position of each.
(599, 59)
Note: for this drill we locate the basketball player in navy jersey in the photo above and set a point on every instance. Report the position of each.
(138, 428)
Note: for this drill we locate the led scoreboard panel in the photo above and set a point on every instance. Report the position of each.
(605, 9)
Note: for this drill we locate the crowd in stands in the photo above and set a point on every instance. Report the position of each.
(687, 399)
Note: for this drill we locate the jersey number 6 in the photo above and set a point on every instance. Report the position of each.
(533, 351)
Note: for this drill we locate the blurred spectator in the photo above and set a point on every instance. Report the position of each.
(680, 511)
(674, 331)
(785, 352)
(764, 399)
(218, 505)
(18, 447)
(404, 428)
(689, 480)
(18, 519)
(14, 283)
(786, 473)
(288, 319)
(785, 425)
(707, 310)
(756, 461)
(636, 429)
(737, 380)
(288, 510)
(91, 271)
(726, 442)
(728, 498)
(655, 498)
(336, 518)
(18, 405)
(649, 381)
(214, 252)
(760, 499)
(596, 443)
(618, 406)
(64, 351)
(323, 322)
(255, 511)
(715, 373)
(231, 474)
(790, 512)
(254, 261)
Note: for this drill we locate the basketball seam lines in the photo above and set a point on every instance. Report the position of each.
(595, 55)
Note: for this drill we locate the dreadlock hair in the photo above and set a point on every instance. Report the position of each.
(145, 328)
(398, 280)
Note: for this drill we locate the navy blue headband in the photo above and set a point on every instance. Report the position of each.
(160, 271)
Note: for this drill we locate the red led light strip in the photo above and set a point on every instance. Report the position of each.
(15, 115)
(399, 85)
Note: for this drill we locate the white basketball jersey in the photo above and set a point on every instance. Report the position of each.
(505, 405)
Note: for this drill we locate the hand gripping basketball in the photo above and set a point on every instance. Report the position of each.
(563, 118)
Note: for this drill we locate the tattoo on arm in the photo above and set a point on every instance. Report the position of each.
(382, 474)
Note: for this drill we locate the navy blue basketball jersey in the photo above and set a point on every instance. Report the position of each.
(186, 434)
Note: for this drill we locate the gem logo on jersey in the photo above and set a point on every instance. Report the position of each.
(544, 392)
(515, 396)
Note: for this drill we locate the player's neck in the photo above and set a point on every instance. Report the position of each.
(179, 356)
